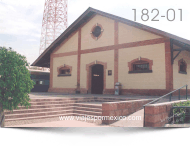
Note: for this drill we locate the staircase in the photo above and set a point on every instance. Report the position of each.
(43, 109)
(89, 111)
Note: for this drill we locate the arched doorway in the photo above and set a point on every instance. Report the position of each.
(97, 76)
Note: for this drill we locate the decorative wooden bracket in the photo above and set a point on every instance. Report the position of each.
(183, 47)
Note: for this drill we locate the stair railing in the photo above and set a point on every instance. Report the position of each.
(170, 99)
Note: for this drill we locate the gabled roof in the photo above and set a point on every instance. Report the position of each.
(44, 59)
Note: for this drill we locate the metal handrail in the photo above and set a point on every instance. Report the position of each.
(165, 96)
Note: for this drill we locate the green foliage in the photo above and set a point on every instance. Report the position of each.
(180, 113)
(15, 82)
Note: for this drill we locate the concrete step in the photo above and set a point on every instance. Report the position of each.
(37, 111)
(87, 108)
(46, 111)
(38, 117)
(77, 100)
(54, 107)
(47, 106)
(111, 98)
(22, 111)
(88, 105)
(38, 114)
(87, 112)
(50, 99)
(61, 99)
(51, 102)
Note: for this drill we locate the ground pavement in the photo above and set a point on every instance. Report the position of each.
(74, 123)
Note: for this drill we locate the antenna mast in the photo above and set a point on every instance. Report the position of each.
(54, 22)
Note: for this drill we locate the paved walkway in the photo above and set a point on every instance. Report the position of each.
(138, 122)
(52, 95)
(74, 123)
(71, 123)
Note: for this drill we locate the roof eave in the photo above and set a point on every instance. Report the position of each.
(46, 54)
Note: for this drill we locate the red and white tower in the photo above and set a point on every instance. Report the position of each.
(54, 22)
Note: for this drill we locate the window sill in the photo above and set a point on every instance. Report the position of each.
(182, 72)
(62, 75)
(140, 71)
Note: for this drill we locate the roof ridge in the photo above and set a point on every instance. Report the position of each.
(45, 56)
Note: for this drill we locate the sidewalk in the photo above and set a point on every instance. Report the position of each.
(66, 123)
(61, 95)
(75, 123)
(131, 123)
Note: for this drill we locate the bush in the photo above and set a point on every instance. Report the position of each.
(181, 114)
(15, 81)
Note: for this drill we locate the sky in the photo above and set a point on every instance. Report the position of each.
(21, 20)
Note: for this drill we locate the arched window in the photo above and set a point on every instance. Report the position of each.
(64, 70)
(140, 65)
(182, 66)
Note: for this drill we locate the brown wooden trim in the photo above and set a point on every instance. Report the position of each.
(169, 67)
(109, 91)
(116, 52)
(89, 70)
(65, 54)
(83, 91)
(63, 90)
(140, 71)
(114, 47)
(116, 64)
(125, 45)
(79, 59)
(116, 41)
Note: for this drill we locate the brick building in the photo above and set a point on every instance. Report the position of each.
(100, 49)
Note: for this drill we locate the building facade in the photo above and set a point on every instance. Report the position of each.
(41, 78)
(100, 49)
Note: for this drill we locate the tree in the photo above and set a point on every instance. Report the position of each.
(15, 81)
